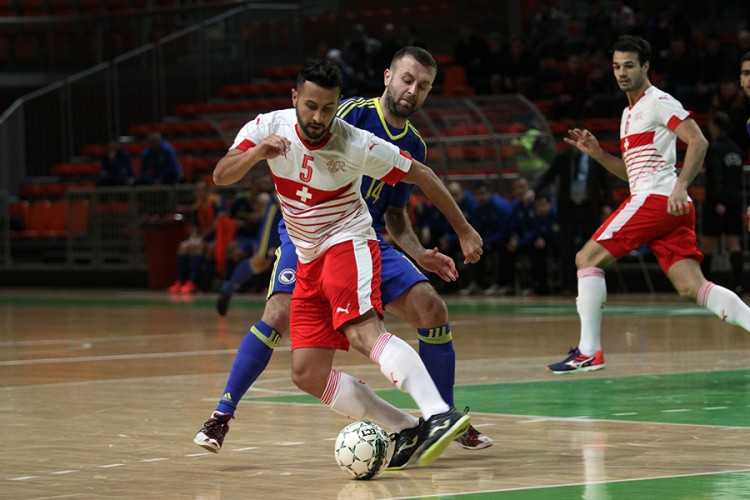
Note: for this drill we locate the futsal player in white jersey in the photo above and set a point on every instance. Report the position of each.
(658, 212)
(317, 162)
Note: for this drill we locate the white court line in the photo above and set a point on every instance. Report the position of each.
(587, 483)
(66, 341)
(118, 357)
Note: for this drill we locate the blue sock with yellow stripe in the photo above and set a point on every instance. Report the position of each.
(438, 355)
(252, 358)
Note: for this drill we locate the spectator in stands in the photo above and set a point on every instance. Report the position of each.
(117, 166)
(671, 22)
(571, 103)
(549, 31)
(743, 41)
(519, 68)
(361, 53)
(622, 17)
(410, 36)
(603, 98)
(584, 200)
(491, 218)
(390, 43)
(729, 99)
(598, 34)
(195, 260)
(722, 209)
(159, 163)
(336, 56)
(745, 81)
(679, 82)
(717, 61)
(541, 241)
(435, 230)
(522, 214)
(472, 52)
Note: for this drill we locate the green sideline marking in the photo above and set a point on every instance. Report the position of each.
(730, 485)
(256, 303)
(702, 398)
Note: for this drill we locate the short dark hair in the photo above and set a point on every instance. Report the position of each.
(418, 53)
(321, 72)
(745, 57)
(629, 43)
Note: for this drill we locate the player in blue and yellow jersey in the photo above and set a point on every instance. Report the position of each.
(406, 292)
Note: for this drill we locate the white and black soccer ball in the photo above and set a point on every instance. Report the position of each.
(363, 449)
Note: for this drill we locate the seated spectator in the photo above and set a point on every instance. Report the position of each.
(730, 100)
(435, 231)
(117, 166)
(549, 31)
(195, 260)
(622, 17)
(491, 218)
(159, 163)
(680, 83)
(519, 68)
(540, 241)
(598, 35)
(522, 214)
(472, 51)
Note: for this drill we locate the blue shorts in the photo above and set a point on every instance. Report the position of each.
(398, 273)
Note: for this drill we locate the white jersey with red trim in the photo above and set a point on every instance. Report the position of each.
(318, 186)
(648, 142)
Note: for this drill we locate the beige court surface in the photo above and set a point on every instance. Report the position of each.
(103, 391)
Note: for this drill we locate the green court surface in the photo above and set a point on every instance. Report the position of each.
(726, 486)
(700, 398)
(719, 398)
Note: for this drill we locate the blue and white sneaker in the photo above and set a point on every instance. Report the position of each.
(577, 362)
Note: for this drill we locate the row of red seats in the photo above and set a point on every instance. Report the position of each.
(50, 219)
(84, 175)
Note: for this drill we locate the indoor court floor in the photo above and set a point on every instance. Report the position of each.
(103, 391)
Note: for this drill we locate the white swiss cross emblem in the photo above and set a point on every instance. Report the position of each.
(304, 194)
(626, 144)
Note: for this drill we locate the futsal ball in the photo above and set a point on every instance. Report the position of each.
(363, 449)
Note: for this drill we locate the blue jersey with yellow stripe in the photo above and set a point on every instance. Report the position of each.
(366, 114)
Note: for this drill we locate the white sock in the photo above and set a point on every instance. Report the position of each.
(725, 304)
(592, 295)
(355, 400)
(403, 366)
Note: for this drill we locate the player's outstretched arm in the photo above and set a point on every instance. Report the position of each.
(236, 163)
(436, 192)
(587, 143)
(399, 227)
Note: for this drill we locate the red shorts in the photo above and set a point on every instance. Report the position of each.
(643, 219)
(339, 286)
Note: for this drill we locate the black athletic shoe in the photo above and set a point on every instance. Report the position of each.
(407, 441)
(222, 304)
(211, 436)
(439, 431)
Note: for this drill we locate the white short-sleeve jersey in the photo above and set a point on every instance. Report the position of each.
(318, 186)
(648, 142)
